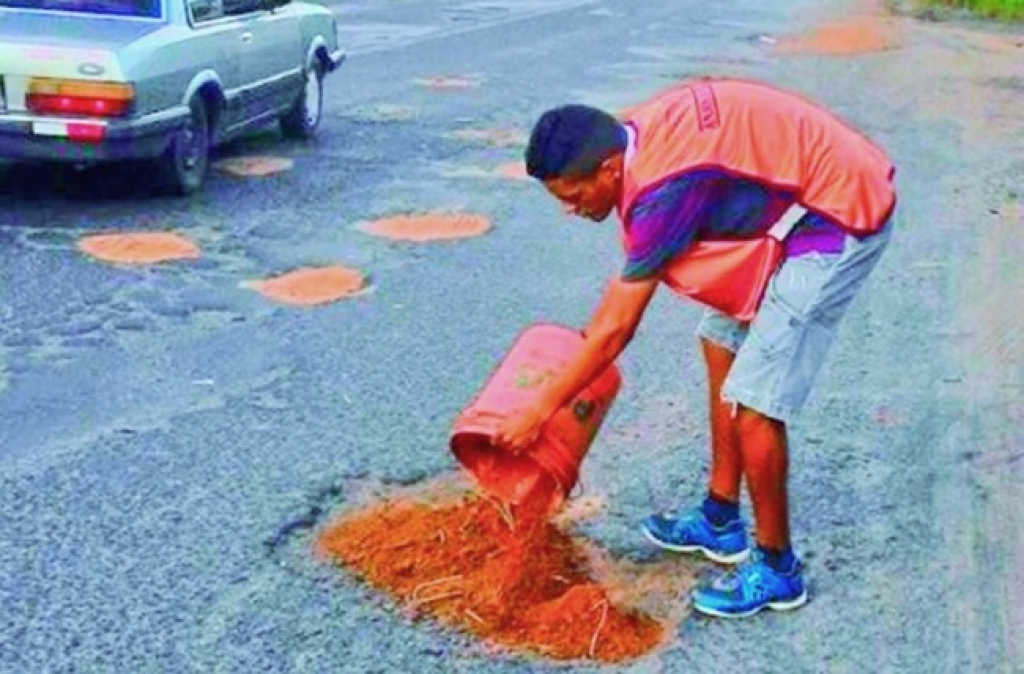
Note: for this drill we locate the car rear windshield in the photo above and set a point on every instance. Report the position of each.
(138, 8)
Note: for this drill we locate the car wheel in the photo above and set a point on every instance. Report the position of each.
(186, 161)
(304, 117)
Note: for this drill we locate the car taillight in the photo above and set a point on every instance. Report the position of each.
(72, 97)
(86, 133)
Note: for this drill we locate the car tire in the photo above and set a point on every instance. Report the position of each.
(303, 119)
(185, 163)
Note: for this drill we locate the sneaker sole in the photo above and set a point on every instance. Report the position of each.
(790, 605)
(734, 558)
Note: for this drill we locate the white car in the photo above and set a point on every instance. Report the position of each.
(87, 81)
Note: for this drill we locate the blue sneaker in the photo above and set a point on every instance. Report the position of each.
(694, 533)
(751, 587)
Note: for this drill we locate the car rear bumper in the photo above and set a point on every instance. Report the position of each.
(29, 137)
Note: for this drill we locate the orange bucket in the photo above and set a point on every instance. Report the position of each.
(548, 470)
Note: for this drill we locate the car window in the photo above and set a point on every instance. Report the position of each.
(140, 8)
(206, 10)
(211, 10)
(236, 7)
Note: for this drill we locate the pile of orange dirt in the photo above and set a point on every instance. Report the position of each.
(429, 227)
(513, 579)
(139, 247)
(311, 286)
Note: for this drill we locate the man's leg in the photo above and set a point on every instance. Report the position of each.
(800, 318)
(769, 380)
(726, 463)
(765, 457)
(714, 527)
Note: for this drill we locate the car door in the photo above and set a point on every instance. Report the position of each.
(270, 55)
(244, 13)
(278, 53)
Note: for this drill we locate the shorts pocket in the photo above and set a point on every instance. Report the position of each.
(774, 330)
(791, 292)
(799, 282)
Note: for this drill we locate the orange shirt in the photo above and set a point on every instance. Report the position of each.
(759, 133)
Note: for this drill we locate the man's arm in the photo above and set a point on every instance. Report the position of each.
(614, 324)
(663, 223)
(620, 310)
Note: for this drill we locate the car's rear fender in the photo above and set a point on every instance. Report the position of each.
(319, 31)
(319, 54)
(312, 56)
(208, 87)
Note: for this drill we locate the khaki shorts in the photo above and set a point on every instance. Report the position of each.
(780, 353)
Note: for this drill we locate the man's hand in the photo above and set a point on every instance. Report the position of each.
(520, 430)
(605, 337)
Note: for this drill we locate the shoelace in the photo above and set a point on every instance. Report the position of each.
(746, 579)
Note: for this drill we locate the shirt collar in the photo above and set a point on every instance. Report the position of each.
(630, 143)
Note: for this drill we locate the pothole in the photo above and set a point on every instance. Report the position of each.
(310, 286)
(429, 227)
(255, 166)
(138, 247)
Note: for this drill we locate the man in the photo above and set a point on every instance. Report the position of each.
(719, 160)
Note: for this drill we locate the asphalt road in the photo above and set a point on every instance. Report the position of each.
(170, 441)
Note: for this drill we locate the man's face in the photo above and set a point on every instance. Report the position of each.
(593, 196)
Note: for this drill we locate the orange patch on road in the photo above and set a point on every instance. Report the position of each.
(447, 82)
(513, 170)
(429, 227)
(139, 247)
(254, 166)
(492, 137)
(311, 285)
(858, 35)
